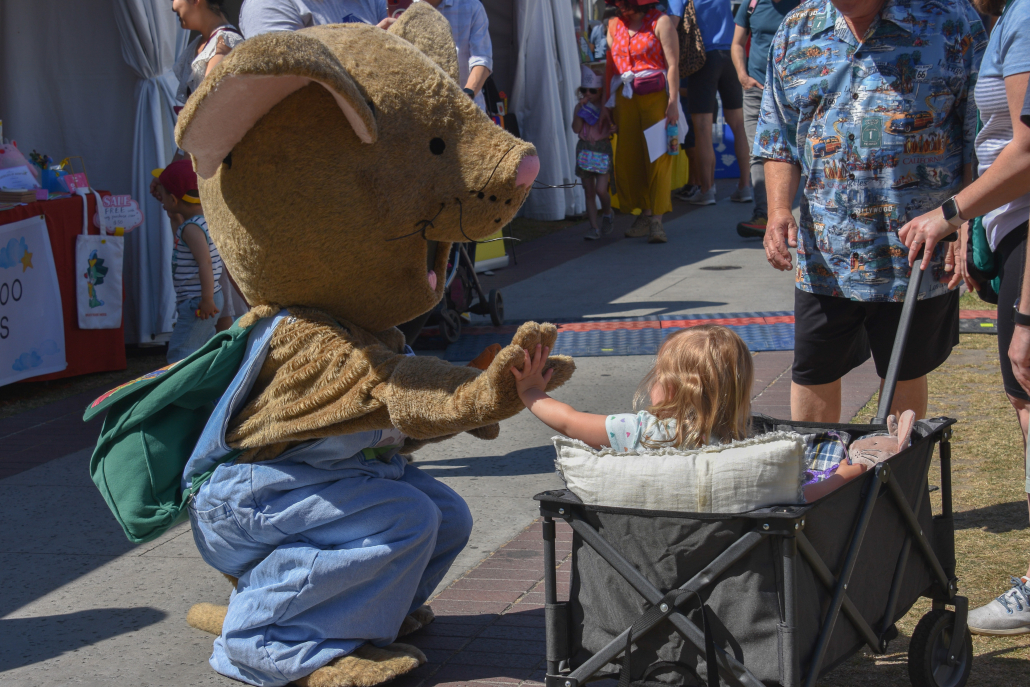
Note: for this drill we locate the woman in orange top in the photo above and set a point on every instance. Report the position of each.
(644, 46)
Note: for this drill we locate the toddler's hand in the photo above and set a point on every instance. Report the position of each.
(532, 375)
(207, 309)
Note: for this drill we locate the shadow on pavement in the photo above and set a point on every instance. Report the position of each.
(526, 461)
(33, 640)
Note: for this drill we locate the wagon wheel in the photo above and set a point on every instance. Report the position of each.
(450, 325)
(928, 653)
(496, 305)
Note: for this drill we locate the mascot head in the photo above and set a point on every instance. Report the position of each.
(338, 163)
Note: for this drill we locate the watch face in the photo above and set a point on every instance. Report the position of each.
(949, 208)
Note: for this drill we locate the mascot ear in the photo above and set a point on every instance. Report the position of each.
(258, 74)
(425, 28)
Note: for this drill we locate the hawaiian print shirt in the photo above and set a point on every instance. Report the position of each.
(881, 130)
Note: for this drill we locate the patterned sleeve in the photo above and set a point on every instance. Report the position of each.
(973, 55)
(776, 135)
(627, 431)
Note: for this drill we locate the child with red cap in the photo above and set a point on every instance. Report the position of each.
(196, 264)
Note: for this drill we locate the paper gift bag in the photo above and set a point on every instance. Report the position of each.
(98, 278)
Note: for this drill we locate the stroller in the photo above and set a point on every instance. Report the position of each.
(462, 294)
(757, 598)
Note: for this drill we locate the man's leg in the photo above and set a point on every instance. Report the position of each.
(815, 403)
(735, 119)
(704, 151)
(909, 395)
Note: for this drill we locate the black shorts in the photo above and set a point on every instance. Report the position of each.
(720, 75)
(833, 336)
(1009, 258)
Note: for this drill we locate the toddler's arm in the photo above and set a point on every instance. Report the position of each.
(844, 474)
(561, 417)
(197, 242)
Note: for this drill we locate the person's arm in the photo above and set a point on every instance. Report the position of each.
(561, 417)
(577, 121)
(844, 474)
(739, 57)
(666, 32)
(1004, 181)
(781, 185)
(222, 48)
(197, 242)
(481, 50)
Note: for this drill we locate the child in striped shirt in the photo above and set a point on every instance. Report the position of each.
(196, 264)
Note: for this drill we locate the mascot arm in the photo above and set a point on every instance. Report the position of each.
(427, 397)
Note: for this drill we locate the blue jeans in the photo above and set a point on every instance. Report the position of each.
(190, 332)
(330, 553)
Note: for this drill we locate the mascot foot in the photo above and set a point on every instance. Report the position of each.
(367, 666)
(419, 618)
(207, 617)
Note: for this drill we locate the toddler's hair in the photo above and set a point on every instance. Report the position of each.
(705, 374)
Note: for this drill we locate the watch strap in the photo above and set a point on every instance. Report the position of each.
(1018, 317)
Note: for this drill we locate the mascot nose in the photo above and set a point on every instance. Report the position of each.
(527, 171)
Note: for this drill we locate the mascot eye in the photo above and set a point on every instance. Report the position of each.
(437, 146)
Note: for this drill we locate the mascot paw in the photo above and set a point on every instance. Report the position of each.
(487, 432)
(419, 618)
(367, 666)
(207, 617)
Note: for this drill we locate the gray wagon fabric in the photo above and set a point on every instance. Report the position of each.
(747, 601)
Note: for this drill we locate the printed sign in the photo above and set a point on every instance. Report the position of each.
(31, 318)
(872, 132)
(119, 211)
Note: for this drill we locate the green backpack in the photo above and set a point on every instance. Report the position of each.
(150, 431)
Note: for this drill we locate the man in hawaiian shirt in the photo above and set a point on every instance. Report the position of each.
(882, 127)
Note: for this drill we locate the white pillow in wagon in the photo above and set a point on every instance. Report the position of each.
(756, 472)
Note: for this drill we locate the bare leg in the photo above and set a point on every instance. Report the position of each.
(815, 403)
(704, 153)
(910, 395)
(602, 193)
(1023, 415)
(735, 118)
(590, 189)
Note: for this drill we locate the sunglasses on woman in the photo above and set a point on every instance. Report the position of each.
(592, 91)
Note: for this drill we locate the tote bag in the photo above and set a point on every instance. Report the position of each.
(98, 273)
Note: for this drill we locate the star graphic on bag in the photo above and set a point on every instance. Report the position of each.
(26, 261)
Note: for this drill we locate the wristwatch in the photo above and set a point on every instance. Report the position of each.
(469, 92)
(951, 213)
(1018, 317)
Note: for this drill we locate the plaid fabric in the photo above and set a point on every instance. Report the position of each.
(825, 450)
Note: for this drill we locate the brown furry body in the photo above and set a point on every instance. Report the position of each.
(336, 165)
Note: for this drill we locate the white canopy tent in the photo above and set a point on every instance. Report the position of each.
(91, 78)
(536, 62)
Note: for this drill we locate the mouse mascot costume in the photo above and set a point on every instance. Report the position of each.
(336, 165)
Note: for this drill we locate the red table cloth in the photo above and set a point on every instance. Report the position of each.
(86, 350)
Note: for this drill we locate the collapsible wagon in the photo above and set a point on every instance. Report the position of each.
(775, 596)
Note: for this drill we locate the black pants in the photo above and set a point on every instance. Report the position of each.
(1009, 257)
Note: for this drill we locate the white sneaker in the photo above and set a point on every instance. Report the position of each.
(700, 197)
(607, 222)
(742, 195)
(592, 235)
(685, 192)
(1009, 614)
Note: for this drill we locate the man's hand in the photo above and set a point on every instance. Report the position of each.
(925, 231)
(781, 231)
(747, 83)
(962, 264)
(1019, 356)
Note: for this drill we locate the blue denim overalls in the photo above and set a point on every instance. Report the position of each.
(334, 542)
